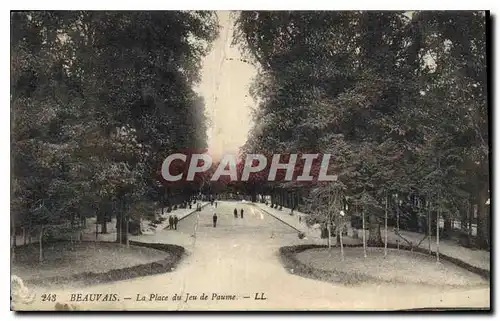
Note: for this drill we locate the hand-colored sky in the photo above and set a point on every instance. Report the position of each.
(224, 85)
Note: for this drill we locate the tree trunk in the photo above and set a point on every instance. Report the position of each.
(104, 226)
(126, 233)
(118, 225)
(72, 221)
(385, 241)
(374, 236)
(482, 220)
(12, 246)
(429, 227)
(463, 217)
(364, 232)
(470, 218)
(341, 243)
(97, 228)
(328, 229)
(437, 234)
(397, 220)
(30, 230)
(102, 219)
(40, 257)
(447, 227)
(13, 233)
(123, 236)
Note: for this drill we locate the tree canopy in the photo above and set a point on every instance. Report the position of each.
(398, 98)
(98, 99)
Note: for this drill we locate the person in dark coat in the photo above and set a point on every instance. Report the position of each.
(170, 222)
(235, 213)
(176, 220)
(215, 204)
(214, 218)
(241, 212)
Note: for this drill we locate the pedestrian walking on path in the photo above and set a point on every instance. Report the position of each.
(235, 213)
(170, 222)
(214, 218)
(176, 220)
(215, 204)
(241, 212)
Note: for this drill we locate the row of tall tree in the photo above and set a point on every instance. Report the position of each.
(398, 98)
(98, 100)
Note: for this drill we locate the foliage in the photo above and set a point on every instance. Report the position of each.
(398, 99)
(97, 101)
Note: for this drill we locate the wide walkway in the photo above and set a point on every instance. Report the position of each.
(239, 258)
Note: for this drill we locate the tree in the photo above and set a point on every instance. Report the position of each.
(399, 99)
(93, 121)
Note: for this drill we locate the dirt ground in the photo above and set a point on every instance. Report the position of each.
(399, 266)
(64, 258)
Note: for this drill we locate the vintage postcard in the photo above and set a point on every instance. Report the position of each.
(250, 160)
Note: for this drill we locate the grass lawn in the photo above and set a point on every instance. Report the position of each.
(65, 259)
(398, 267)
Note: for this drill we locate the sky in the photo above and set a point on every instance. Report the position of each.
(225, 83)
